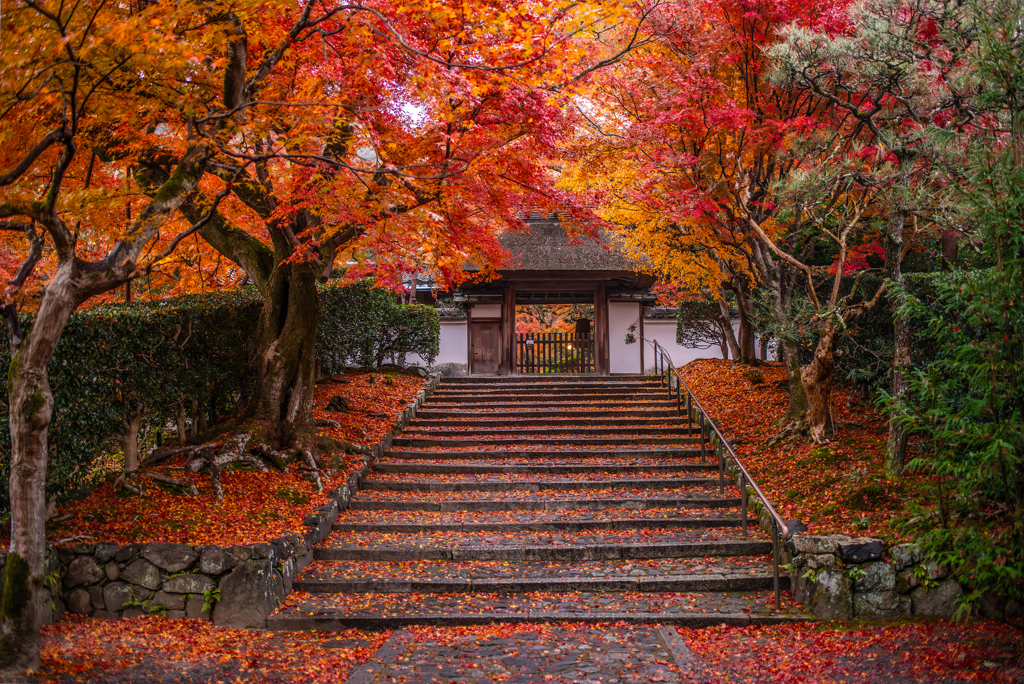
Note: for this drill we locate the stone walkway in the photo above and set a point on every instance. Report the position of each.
(625, 654)
(537, 499)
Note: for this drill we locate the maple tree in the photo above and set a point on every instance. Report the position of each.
(897, 70)
(691, 140)
(287, 137)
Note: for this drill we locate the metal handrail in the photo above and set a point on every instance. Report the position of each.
(704, 421)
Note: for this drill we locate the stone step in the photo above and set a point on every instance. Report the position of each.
(522, 503)
(682, 584)
(552, 441)
(537, 455)
(568, 413)
(517, 430)
(633, 524)
(534, 485)
(470, 572)
(549, 545)
(569, 389)
(302, 610)
(457, 421)
(570, 378)
(497, 467)
(610, 517)
(541, 400)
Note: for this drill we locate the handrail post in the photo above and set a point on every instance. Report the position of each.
(721, 468)
(703, 447)
(743, 503)
(679, 398)
(775, 564)
(689, 415)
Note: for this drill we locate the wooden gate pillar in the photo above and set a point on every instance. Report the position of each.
(508, 331)
(601, 346)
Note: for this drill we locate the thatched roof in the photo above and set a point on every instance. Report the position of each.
(545, 246)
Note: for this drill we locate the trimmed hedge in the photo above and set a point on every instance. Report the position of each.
(364, 325)
(197, 351)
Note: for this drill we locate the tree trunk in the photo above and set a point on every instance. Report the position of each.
(797, 394)
(816, 378)
(896, 448)
(726, 322)
(130, 439)
(180, 423)
(283, 398)
(747, 351)
(30, 410)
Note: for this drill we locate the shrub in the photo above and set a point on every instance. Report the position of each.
(193, 353)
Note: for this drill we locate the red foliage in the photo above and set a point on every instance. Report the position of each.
(837, 488)
(83, 649)
(917, 652)
(256, 506)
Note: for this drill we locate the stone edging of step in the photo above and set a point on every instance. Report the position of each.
(238, 586)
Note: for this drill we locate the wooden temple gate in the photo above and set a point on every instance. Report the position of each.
(554, 353)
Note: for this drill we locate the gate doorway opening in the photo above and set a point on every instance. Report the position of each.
(554, 337)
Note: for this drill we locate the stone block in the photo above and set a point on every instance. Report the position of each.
(934, 571)
(882, 606)
(175, 615)
(105, 552)
(241, 553)
(84, 548)
(248, 594)
(66, 555)
(168, 601)
(861, 550)
(795, 527)
(905, 555)
(194, 609)
(938, 602)
(127, 553)
(117, 594)
(907, 580)
(83, 570)
(96, 597)
(170, 557)
(822, 560)
(878, 576)
(143, 573)
(112, 572)
(105, 615)
(831, 596)
(80, 602)
(817, 544)
(213, 560)
(262, 551)
(189, 583)
(133, 613)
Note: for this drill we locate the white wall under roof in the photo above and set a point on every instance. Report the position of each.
(453, 343)
(622, 357)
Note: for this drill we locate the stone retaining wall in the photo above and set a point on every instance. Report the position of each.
(836, 577)
(238, 586)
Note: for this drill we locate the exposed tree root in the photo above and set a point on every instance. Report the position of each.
(311, 462)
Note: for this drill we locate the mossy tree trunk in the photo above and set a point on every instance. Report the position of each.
(283, 397)
(30, 411)
(816, 378)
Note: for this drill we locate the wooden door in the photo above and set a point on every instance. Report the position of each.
(485, 338)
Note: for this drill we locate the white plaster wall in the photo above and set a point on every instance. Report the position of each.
(486, 310)
(453, 343)
(622, 357)
(664, 331)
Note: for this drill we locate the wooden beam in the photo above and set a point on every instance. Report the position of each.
(601, 346)
(508, 331)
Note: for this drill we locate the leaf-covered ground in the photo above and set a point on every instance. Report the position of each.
(257, 506)
(188, 651)
(835, 488)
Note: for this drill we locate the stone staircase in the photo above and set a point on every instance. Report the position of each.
(537, 499)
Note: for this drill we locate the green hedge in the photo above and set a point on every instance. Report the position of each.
(193, 350)
(365, 326)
